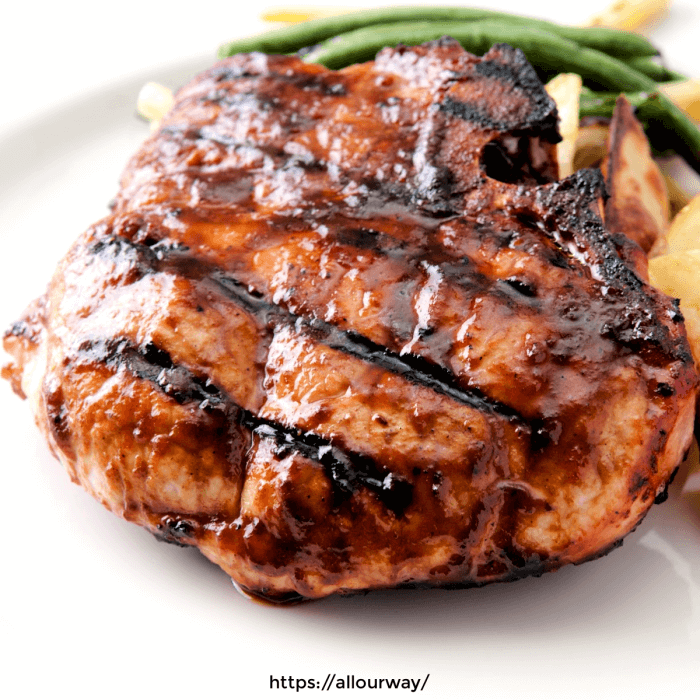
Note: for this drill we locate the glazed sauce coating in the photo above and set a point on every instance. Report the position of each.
(346, 332)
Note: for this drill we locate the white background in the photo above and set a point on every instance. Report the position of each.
(95, 607)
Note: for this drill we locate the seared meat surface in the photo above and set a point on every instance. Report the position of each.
(343, 331)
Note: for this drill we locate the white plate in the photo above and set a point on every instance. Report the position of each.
(95, 606)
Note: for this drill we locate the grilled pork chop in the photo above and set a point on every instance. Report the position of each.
(344, 331)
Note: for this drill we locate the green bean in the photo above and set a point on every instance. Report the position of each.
(544, 50)
(652, 69)
(602, 104)
(298, 36)
(363, 44)
(651, 110)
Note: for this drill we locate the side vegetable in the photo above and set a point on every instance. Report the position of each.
(637, 202)
(153, 102)
(565, 90)
(676, 273)
(299, 36)
(631, 15)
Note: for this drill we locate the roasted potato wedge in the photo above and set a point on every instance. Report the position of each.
(638, 199)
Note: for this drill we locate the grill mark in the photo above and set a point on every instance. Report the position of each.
(347, 470)
(471, 112)
(414, 368)
(191, 133)
(326, 84)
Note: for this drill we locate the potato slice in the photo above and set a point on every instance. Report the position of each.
(153, 102)
(565, 90)
(293, 15)
(631, 15)
(638, 201)
(686, 95)
(684, 233)
(676, 274)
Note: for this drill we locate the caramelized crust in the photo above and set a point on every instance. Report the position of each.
(342, 331)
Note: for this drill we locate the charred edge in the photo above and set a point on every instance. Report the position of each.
(663, 494)
(578, 224)
(675, 315)
(27, 330)
(270, 596)
(175, 531)
(414, 368)
(636, 327)
(347, 470)
(606, 550)
(517, 71)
